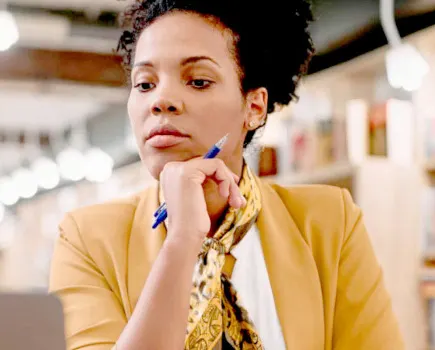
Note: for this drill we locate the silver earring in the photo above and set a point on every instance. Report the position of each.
(252, 124)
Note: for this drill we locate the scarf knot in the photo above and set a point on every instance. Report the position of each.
(213, 243)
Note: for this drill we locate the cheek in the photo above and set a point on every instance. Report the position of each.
(134, 111)
(223, 109)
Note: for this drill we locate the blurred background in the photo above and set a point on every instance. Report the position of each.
(365, 121)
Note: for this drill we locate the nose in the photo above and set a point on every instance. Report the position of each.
(166, 106)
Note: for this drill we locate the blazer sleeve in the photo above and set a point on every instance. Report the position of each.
(94, 316)
(364, 317)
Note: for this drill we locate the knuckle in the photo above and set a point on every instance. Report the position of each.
(183, 171)
(219, 163)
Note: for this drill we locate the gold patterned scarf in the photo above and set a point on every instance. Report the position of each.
(214, 308)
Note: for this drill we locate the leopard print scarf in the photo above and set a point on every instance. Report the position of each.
(215, 311)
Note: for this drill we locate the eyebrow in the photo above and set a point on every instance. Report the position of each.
(184, 62)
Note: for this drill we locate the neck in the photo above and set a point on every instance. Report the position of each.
(216, 204)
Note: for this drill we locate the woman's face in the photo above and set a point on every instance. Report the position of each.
(186, 93)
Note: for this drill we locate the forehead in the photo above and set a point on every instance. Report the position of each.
(179, 35)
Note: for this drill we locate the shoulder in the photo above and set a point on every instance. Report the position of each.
(325, 218)
(312, 196)
(116, 212)
(100, 226)
(316, 199)
(320, 211)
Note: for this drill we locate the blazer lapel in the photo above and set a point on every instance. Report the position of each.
(292, 273)
(144, 245)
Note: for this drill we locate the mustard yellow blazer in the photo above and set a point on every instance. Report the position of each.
(326, 281)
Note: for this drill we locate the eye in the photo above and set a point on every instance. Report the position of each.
(200, 83)
(144, 87)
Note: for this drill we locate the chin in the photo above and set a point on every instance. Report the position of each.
(154, 169)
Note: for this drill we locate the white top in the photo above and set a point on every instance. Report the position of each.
(251, 280)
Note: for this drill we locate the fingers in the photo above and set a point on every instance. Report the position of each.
(236, 199)
(224, 188)
(235, 177)
(223, 180)
(215, 169)
(228, 184)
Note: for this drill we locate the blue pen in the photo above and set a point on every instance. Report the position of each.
(161, 214)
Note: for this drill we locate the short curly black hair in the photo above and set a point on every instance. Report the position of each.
(272, 44)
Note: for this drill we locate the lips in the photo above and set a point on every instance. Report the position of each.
(165, 130)
(164, 136)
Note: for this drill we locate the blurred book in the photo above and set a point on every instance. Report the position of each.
(303, 140)
(300, 154)
(316, 145)
(377, 118)
(268, 164)
(429, 222)
(324, 142)
(339, 141)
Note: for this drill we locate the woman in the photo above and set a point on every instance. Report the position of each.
(272, 267)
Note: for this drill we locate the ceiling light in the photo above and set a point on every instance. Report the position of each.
(25, 183)
(406, 67)
(9, 34)
(71, 164)
(99, 165)
(46, 173)
(8, 192)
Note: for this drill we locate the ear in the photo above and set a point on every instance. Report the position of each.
(256, 104)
